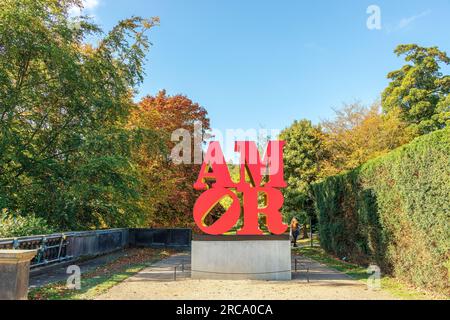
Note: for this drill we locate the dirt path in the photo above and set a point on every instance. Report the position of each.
(157, 283)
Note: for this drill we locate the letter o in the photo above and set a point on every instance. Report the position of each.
(207, 201)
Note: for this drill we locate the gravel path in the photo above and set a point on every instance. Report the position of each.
(157, 283)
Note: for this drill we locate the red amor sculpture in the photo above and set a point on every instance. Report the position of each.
(266, 178)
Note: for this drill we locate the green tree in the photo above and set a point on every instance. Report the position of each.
(64, 104)
(15, 225)
(302, 157)
(419, 89)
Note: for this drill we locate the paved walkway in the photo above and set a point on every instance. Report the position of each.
(158, 283)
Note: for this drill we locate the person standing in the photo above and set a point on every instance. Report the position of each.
(295, 230)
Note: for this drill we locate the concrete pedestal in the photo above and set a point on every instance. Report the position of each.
(14, 273)
(241, 257)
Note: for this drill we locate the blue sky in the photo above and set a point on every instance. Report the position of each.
(263, 64)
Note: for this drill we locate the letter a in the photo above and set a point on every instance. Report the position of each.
(214, 168)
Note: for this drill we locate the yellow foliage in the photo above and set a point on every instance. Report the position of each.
(358, 134)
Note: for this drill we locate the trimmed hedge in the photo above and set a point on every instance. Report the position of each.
(393, 211)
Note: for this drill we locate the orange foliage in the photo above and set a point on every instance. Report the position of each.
(170, 195)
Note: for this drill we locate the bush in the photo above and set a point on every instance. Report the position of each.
(393, 211)
(15, 225)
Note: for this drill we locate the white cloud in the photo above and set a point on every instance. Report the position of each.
(89, 7)
(407, 21)
(90, 4)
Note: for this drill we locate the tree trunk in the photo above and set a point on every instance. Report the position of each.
(305, 231)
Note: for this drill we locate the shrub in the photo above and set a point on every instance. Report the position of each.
(15, 225)
(393, 211)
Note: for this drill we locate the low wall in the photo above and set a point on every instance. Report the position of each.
(93, 243)
(61, 247)
(171, 238)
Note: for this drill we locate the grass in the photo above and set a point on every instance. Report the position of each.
(307, 242)
(100, 280)
(394, 286)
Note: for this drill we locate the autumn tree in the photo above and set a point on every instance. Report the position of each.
(419, 91)
(359, 133)
(170, 183)
(64, 104)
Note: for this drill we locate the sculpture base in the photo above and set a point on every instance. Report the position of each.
(241, 257)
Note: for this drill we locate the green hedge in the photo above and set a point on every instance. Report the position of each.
(393, 211)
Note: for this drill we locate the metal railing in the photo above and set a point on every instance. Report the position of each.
(50, 248)
(297, 262)
(183, 270)
(60, 247)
